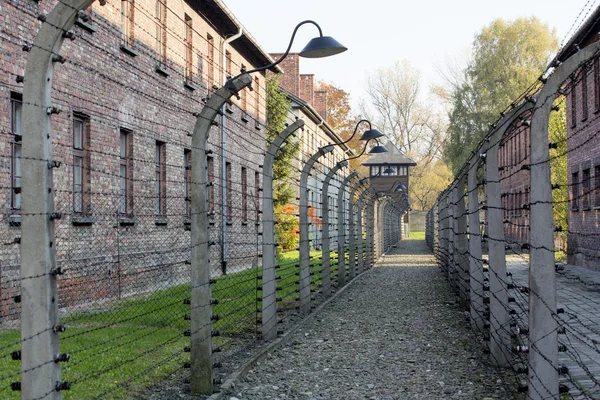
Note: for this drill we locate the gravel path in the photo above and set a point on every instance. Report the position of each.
(395, 333)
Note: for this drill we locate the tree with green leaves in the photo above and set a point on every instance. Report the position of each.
(278, 107)
(507, 58)
(557, 132)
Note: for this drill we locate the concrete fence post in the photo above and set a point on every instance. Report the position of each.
(499, 322)
(40, 374)
(326, 263)
(351, 237)
(450, 229)
(475, 263)
(341, 228)
(462, 261)
(305, 291)
(201, 309)
(359, 226)
(269, 278)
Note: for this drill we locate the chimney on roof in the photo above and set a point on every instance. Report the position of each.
(290, 79)
(320, 103)
(307, 88)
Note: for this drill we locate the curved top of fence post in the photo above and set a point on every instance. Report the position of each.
(278, 141)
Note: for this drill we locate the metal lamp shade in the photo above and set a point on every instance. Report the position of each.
(399, 188)
(389, 171)
(323, 46)
(378, 149)
(371, 134)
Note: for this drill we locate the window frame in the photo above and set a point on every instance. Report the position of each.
(127, 23)
(189, 48)
(575, 191)
(586, 189)
(161, 30)
(187, 181)
(126, 162)
(16, 138)
(160, 177)
(83, 154)
(244, 186)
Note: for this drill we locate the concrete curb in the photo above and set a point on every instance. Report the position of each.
(276, 344)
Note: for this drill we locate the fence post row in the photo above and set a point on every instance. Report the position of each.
(40, 375)
(304, 236)
(269, 279)
(201, 310)
(326, 263)
(341, 228)
(543, 341)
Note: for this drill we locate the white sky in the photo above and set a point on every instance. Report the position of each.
(379, 32)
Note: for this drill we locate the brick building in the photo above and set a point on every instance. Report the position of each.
(135, 74)
(583, 149)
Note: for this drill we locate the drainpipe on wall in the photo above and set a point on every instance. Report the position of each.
(224, 155)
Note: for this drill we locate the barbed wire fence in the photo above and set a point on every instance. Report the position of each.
(494, 230)
(122, 264)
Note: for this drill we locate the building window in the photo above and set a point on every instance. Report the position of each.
(573, 103)
(16, 107)
(575, 191)
(161, 30)
(228, 203)
(126, 172)
(586, 186)
(597, 186)
(187, 180)
(244, 194)
(81, 165)
(584, 92)
(257, 193)
(189, 48)
(257, 97)
(243, 94)
(127, 10)
(596, 84)
(211, 60)
(228, 62)
(160, 175)
(210, 167)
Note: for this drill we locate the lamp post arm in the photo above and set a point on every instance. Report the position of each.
(355, 130)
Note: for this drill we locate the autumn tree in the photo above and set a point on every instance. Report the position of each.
(507, 58)
(428, 179)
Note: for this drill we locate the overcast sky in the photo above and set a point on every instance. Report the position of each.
(379, 32)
